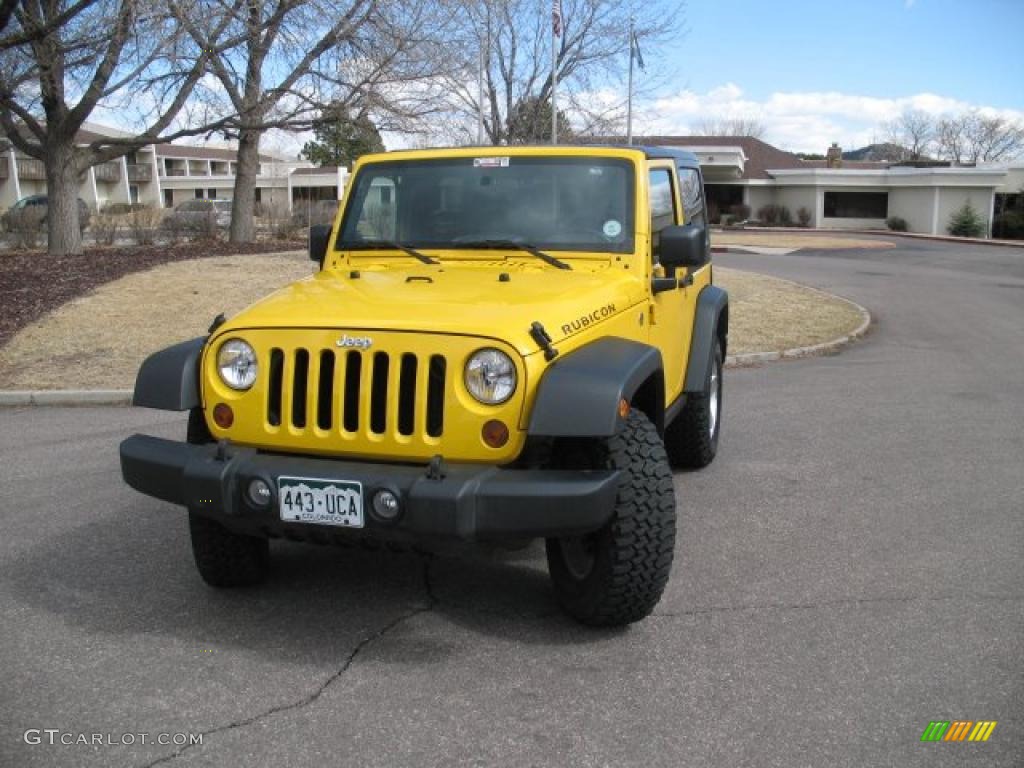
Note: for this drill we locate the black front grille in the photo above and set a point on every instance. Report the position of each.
(357, 391)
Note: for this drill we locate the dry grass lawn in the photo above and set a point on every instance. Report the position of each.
(99, 340)
(795, 240)
(771, 315)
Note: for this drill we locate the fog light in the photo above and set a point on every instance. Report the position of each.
(223, 416)
(495, 433)
(386, 504)
(259, 493)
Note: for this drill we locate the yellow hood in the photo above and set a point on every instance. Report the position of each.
(462, 298)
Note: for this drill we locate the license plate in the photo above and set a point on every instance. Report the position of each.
(322, 502)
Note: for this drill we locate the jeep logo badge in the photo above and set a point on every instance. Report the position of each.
(357, 342)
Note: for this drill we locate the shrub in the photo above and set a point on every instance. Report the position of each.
(785, 217)
(740, 212)
(119, 209)
(896, 224)
(1009, 225)
(143, 224)
(966, 222)
(27, 226)
(105, 227)
(768, 215)
(803, 215)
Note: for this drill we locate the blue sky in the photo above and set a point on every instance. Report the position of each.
(816, 72)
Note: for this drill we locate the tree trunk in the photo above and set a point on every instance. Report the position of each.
(243, 226)
(64, 236)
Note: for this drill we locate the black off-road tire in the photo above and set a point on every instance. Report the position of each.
(227, 559)
(224, 559)
(631, 557)
(692, 439)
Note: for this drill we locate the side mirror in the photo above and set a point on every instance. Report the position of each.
(319, 237)
(683, 247)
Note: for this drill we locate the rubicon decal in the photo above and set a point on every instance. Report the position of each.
(587, 320)
(959, 730)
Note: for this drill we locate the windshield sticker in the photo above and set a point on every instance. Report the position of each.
(612, 228)
(490, 162)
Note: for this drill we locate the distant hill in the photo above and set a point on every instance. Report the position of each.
(877, 152)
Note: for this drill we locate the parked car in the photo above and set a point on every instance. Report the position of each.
(200, 215)
(39, 203)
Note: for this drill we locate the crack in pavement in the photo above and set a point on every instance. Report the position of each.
(827, 604)
(307, 700)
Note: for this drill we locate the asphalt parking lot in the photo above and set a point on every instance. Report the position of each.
(849, 569)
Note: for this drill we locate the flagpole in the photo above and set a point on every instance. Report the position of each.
(554, 76)
(629, 97)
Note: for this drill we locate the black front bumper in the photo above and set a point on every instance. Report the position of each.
(468, 502)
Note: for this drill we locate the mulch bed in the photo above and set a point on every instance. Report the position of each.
(33, 283)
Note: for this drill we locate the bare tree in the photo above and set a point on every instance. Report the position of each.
(508, 42)
(731, 126)
(59, 60)
(913, 130)
(296, 56)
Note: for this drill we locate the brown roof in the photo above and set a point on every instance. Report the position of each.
(761, 156)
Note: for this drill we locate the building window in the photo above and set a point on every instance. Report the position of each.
(133, 193)
(258, 195)
(168, 198)
(199, 194)
(856, 205)
(212, 194)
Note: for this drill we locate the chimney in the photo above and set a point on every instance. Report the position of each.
(834, 156)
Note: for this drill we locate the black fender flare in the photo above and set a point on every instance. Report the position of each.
(579, 394)
(712, 308)
(169, 379)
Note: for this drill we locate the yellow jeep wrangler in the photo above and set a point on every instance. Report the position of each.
(499, 344)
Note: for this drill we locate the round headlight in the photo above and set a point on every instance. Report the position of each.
(236, 362)
(490, 376)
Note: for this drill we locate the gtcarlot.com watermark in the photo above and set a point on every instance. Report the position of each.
(57, 737)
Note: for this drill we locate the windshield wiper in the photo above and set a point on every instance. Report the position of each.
(403, 248)
(512, 244)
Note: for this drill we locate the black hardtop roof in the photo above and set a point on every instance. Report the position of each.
(680, 156)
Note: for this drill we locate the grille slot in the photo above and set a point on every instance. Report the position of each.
(407, 395)
(379, 394)
(435, 396)
(355, 392)
(300, 382)
(274, 388)
(353, 366)
(325, 391)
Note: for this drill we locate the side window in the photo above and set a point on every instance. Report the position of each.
(663, 208)
(377, 218)
(693, 200)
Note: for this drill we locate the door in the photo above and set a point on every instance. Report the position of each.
(669, 330)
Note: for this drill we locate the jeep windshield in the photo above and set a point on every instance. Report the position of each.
(544, 203)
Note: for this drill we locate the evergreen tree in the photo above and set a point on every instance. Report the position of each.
(529, 122)
(339, 139)
(966, 222)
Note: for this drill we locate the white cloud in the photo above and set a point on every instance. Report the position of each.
(806, 121)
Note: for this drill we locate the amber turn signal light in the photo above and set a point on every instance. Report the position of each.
(495, 433)
(223, 416)
(623, 408)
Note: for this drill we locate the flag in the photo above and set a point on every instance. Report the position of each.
(556, 17)
(634, 50)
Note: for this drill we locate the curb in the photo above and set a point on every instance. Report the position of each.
(29, 397)
(824, 348)
(67, 397)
